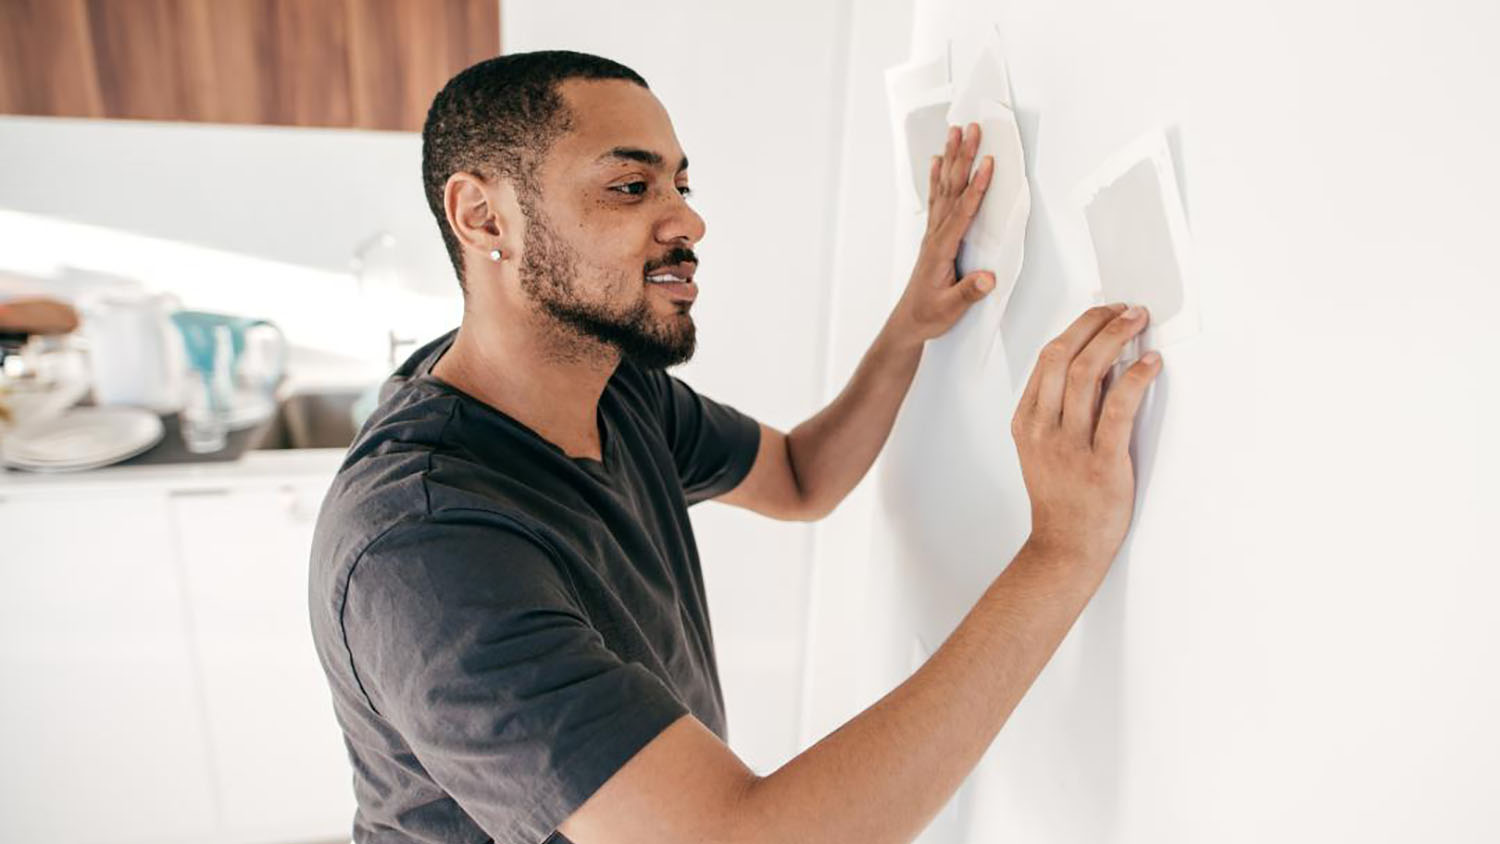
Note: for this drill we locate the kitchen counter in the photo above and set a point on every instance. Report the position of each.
(308, 371)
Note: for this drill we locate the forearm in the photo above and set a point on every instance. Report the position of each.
(884, 775)
(832, 451)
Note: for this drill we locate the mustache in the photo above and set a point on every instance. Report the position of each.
(679, 255)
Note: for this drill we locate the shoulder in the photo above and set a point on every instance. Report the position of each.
(383, 477)
(410, 477)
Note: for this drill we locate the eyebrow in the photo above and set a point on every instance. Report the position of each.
(644, 156)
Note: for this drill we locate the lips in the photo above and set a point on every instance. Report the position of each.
(677, 291)
(675, 280)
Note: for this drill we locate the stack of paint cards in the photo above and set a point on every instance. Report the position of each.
(924, 102)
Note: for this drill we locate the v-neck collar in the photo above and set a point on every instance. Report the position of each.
(601, 469)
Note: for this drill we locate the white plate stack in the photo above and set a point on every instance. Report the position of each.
(81, 438)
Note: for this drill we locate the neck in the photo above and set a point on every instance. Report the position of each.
(541, 376)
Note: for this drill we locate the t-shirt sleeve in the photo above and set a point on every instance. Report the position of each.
(713, 444)
(466, 637)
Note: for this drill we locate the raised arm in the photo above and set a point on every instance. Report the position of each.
(881, 778)
(804, 474)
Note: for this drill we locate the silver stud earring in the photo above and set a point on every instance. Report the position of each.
(496, 254)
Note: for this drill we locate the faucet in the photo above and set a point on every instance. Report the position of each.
(378, 278)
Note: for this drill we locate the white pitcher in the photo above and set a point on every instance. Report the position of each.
(135, 354)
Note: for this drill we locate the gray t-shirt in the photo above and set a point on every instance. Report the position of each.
(503, 626)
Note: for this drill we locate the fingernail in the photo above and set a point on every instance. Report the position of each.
(1117, 307)
(1150, 358)
(985, 284)
(1132, 312)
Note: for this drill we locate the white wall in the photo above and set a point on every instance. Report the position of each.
(307, 197)
(843, 644)
(1297, 641)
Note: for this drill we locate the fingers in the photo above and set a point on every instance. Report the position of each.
(950, 151)
(954, 197)
(934, 175)
(1117, 416)
(1042, 398)
(936, 186)
(968, 202)
(956, 176)
(1080, 402)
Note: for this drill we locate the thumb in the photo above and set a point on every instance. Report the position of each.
(974, 286)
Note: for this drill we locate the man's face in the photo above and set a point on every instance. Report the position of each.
(608, 242)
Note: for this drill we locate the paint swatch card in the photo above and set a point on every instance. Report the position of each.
(996, 237)
(1140, 240)
(923, 105)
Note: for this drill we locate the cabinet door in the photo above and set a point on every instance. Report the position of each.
(99, 715)
(279, 754)
(374, 64)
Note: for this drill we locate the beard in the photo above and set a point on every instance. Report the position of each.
(549, 275)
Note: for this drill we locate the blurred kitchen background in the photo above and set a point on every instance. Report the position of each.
(228, 191)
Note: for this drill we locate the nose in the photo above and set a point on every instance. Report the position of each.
(680, 222)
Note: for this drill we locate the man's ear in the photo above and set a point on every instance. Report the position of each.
(480, 213)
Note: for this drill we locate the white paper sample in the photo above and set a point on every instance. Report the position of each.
(923, 107)
(987, 81)
(1007, 201)
(918, 94)
(996, 238)
(979, 328)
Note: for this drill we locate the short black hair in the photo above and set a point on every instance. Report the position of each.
(498, 118)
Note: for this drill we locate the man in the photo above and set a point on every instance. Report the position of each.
(505, 591)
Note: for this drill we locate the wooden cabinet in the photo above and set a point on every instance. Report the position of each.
(371, 64)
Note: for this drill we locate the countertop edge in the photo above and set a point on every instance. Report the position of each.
(254, 468)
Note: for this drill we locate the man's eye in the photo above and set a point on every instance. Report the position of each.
(681, 189)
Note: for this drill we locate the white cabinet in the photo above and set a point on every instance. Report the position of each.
(278, 753)
(158, 681)
(100, 716)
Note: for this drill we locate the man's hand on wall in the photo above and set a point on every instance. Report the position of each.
(935, 297)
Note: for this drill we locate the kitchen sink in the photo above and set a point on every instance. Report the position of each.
(309, 420)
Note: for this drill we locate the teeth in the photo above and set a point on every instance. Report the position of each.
(664, 277)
